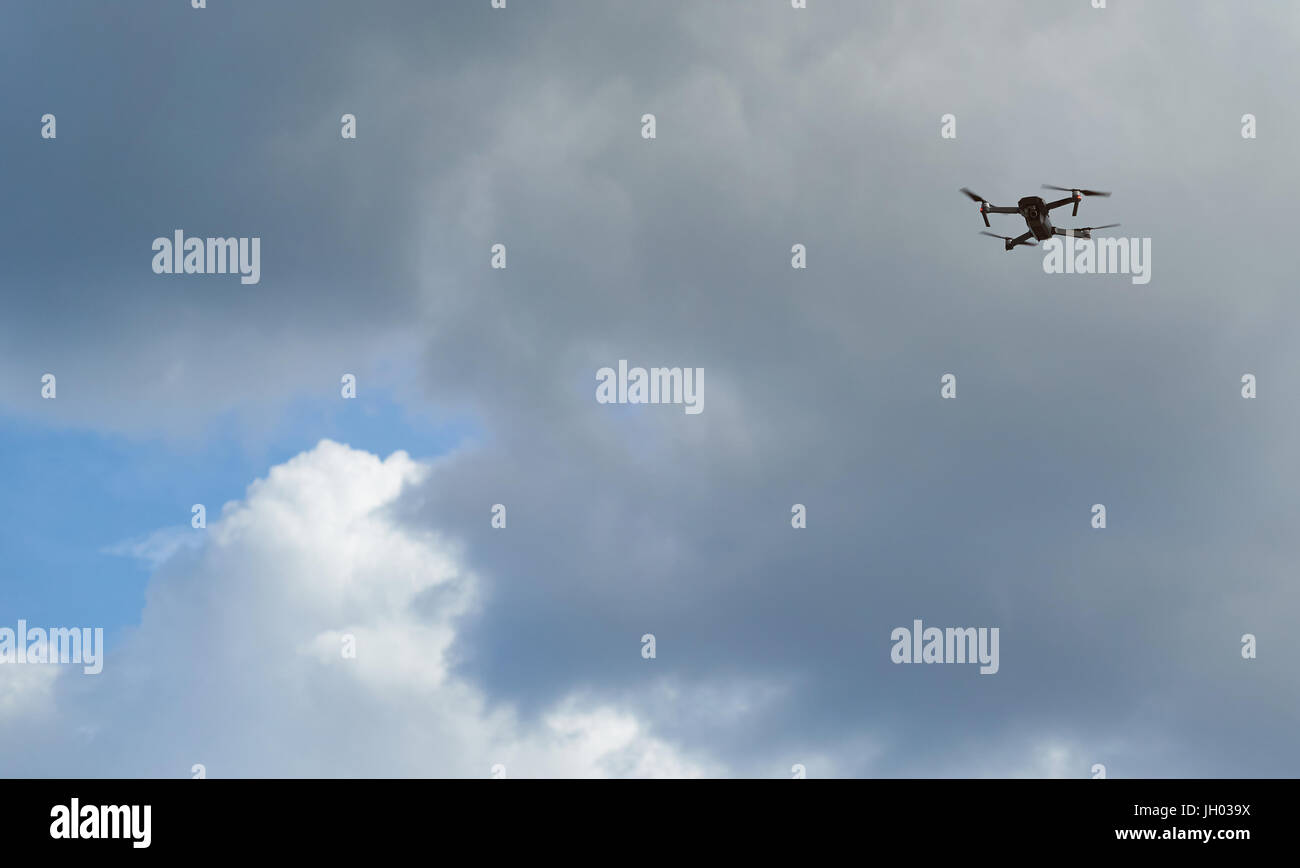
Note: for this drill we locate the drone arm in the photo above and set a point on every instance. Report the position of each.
(986, 210)
(1066, 201)
(1021, 239)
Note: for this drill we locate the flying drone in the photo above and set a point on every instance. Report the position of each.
(1035, 212)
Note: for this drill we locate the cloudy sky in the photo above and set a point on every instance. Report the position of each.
(371, 517)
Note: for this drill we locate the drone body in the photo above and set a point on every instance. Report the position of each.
(1035, 212)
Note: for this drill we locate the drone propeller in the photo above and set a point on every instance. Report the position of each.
(1010, 242)
(1091, 228)
(1078, 195)
(1077, 190)
(980, 199)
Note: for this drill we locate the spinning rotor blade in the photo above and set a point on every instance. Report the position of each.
(1091, 228)
(1077, 190)
(983, 204)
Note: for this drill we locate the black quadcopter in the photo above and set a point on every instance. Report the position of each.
(1034, 210)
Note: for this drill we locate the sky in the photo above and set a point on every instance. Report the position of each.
(366, 522)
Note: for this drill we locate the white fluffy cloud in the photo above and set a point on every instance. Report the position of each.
(26, 692)
(237, 663)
